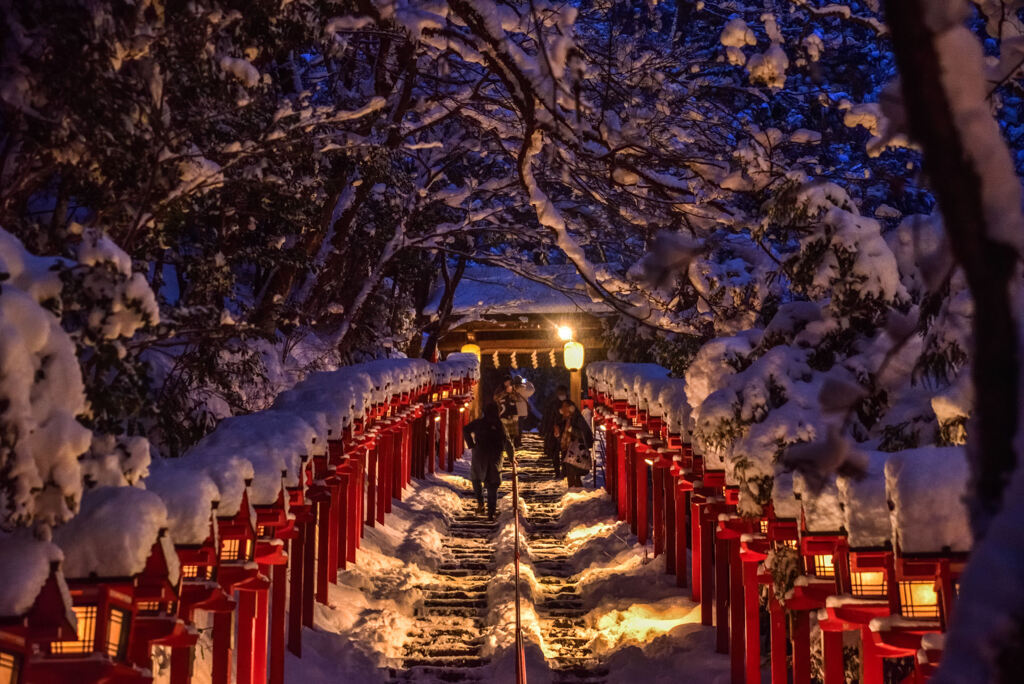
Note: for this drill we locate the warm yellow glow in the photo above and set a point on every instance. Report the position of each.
(564, 333)
(868, 583)
(919, 598)
(462, 409)
(85, 616)
(10, 668)
(229, 549)
(642, 622)
(573, 354)
(823, 566)
(437, 419)
(117, 633)
(471, 349)
(582, 533)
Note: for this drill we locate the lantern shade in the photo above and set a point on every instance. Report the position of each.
(471, 349)
(573, 355)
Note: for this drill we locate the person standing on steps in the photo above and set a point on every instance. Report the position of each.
(575, 438)
(511, 400)
(550, 423)
(487, 438)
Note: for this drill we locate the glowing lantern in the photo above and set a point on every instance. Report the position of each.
(471, 349)
(564, 333)
(573, 355)
(868, 584)
(919, 599)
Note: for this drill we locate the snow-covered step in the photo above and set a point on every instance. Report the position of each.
(559, 606)
(445, 644)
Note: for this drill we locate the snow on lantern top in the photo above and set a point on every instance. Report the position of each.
(189, 495)
(865, 509)
(925, 488)
(113, 534)
(24, 568)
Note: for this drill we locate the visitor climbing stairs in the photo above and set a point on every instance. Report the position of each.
(446, 640)
(559, 605)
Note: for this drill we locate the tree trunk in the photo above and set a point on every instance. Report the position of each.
(986, 627)
(444, 310)
(987, 264)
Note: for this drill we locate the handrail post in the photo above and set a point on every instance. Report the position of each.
(520, 647)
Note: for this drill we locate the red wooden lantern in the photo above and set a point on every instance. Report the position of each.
(40, 615)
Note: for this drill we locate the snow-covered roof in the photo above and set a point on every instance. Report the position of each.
(865, 507)
(113, 533)
(24, 569)
(926, 489)
(487, 290)
(189, 494)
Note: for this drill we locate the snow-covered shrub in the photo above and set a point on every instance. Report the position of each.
(41, 395)
(784, 564)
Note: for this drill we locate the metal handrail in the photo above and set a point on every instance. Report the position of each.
(520, 648)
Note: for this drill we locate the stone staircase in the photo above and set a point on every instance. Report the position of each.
(559, 605)
(444, 645)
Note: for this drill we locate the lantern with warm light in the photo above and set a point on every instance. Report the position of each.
(471, 348)
(572, 353)
(918, 598)
(564, 333)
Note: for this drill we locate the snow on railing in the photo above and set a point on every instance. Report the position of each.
(240, 514)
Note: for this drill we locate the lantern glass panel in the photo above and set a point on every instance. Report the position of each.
(918, 599)
(195, 572)
(10, 667)
(868, 584)
(250, 548)
(763, 526)
(86, 618)
(229, 549)
(117, 633)
(823, 566)
(149, 606)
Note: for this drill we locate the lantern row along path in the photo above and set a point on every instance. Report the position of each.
(431, 598)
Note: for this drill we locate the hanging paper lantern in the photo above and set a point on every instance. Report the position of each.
(471, 349)
(572, 354)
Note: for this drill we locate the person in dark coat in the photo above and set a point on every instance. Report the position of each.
(576, 438)
(489, 441)
(513, 406)
(551, 420)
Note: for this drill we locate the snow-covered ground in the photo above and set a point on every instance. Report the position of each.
(635, 621)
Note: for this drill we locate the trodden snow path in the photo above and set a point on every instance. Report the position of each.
(560, 608)
(445, 643)
(431, 597)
